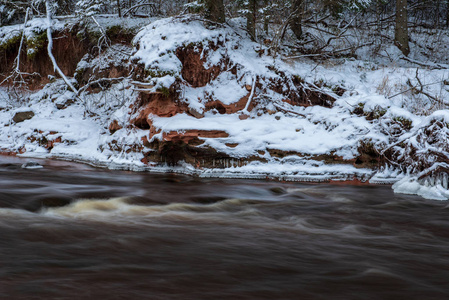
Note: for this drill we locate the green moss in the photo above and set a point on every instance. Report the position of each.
(114, 30)
(338, 90)
(93, 36)
(80, 35)
(156, 73)
(118, 32)
(79, 73)
(377, 113)
(10, 43)
(405, 123)
(36, 44)
(164, 91)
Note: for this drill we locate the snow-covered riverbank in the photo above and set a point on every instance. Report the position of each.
(207, 101)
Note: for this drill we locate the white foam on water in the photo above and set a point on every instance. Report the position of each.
(116, 208)
(340, 199)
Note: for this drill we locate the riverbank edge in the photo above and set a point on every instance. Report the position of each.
(361, 178)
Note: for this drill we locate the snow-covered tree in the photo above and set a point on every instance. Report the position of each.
(87, 8)
(12, 11)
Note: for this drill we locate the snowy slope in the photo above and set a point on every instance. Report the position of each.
(379, 107)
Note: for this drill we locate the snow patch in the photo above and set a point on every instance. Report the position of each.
(411, 185)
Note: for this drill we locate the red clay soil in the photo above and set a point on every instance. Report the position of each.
(67, 50)
(193, 70)
(189, 135)
(355, 181)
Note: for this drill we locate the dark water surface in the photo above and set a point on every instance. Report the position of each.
(69, 231)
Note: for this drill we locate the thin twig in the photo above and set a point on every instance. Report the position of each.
(423, 64)
(288, 110)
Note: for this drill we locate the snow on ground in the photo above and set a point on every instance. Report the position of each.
(410, 185)
(32, 28)
(311, 136)
(380, 91)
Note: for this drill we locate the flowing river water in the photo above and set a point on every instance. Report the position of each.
(69, 231)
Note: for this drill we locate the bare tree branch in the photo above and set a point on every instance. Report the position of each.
(50, 46)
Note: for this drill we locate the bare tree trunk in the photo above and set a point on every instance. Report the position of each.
(119, 9)
(215, 11)
(251, 18)
(437, 15)
(401, 30)
(295, 23)
(447, 13)
(266, 18)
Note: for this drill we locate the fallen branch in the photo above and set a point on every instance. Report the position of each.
(137, 6)
(414, 88)
(441, 166)
(99, 81)
(421, 87)
(332, 53)
(431, 66)
(50, 46)
(420, 90)
(288, 110)
(104, 39)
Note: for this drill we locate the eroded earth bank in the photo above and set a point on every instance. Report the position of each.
(186, 95)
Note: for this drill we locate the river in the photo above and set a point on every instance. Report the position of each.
(70, 231)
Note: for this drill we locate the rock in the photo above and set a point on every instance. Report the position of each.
(195, 113)
(63, 103)
(190, 136)
(243, 116)
(231, 145)
(156, 104)
(51, 143)
(22, 116)
(32, 165)
(114, 126)
(230, 108)
(248, 87)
